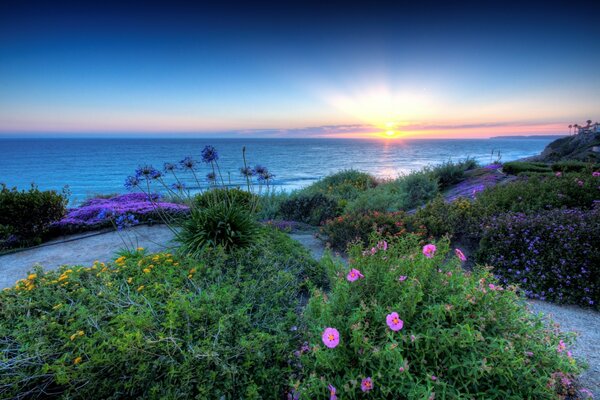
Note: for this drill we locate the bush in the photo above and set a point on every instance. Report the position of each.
(517, 167)
(574, 166)
(384, 198)
(158, 326)
(552, 255)
(350, 228)
(343, 186)
(312, 209)
(227, 224)
(449, 173)
(462, 336)
(27, 215)
(460, 217)
(240, 197)
(416, 188)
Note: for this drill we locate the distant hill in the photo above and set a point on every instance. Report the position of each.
(529, 137)
(577, 147)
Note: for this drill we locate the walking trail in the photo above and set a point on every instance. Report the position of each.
(84, 249)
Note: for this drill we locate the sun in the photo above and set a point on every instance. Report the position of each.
(390, 133)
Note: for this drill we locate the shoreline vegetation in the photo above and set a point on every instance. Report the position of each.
(429, 305)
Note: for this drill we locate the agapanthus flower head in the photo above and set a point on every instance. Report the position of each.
(461, 256)
(366, 384)
(132, 182)
(211, 177)
(188, 163)
(331, 337)
(169, 167)
(332, 391)
(178, 186)
(247, 172)
(209, 154)
(394, 322)
(147, 172)
(354, 274)
(429, 250)
(106, 213)
(126, 221)
(259, 170)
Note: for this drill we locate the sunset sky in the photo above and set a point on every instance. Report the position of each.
(297, 69)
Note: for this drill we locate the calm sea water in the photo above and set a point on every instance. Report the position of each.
(92, 166)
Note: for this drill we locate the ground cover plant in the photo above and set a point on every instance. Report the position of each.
(26, 215)
(517, 167)
(407, 322)
(158, 325)
(552, 255)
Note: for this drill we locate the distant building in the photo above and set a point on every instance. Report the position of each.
(593, 128)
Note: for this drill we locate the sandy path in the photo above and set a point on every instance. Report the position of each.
(84, 250)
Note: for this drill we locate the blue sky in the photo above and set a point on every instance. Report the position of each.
(297, 69)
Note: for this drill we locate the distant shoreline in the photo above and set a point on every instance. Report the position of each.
(530, 137)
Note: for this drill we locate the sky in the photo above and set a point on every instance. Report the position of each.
(297, 69)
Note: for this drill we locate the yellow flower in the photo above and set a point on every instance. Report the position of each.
(146, 270)
(56, 307)
(129, 280)
(140, 288)
(77, 360)
(140, 249)
(190, 276)
(73, 336)
(32, 276)
(193, 270)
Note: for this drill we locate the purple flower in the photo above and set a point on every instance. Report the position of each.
(331, 337)
(366, 384)
(209, 154)
(394, 322)
(188, 163)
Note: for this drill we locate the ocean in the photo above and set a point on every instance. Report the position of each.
(100, 166)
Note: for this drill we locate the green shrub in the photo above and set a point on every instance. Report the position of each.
(450, 173)
(574, 166)
(460, 217)
(270, 205)
(237, 196)
(352, 228)
(552, 255)
(463, 336)
(158, 326)
(310, 208)
(28, 214)
(226, 224)
(384, 198)
(416, 188)
(344, 185)
(517, 167)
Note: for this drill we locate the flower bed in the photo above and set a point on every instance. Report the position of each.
(100, 213)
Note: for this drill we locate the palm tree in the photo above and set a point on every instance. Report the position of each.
(570, 126)
(589, 122)
(575, 126)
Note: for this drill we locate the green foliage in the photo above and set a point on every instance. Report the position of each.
(345, 185)
(310, 208)
(385, 197)
(416, 188)
(226, 224)
(218, 195)
(28, 214)
(270, 204)
(158, 326)
(574, 166)
(450, 173)
(517, 167)
(460, 217)
(358, 227)
(463, 335)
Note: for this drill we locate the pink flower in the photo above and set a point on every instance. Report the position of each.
(461, 256)
(561, 346)
(433, 378)
(354, 274)
(412, 338)
(332, 390)
(558, 174)
(596, 173)
(366, 384)
(580, 183)
(429, 250)
(394, 321)
(373, 250)
(492, 286)
(402, 278)
(382, 245)
(569, 354)
(401, 369)
(331, 337)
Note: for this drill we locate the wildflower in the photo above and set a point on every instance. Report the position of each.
(147, 172)
(129, 280)
(188, 163)
(140, 288)
(146, 270)
(402, 278)
(596, 173)
(558, 174)
(429, 250)
(77, 360)
(401, 369)
(178, 186)
(332, 390)
(394, 321)
(132, 182)
(561, 346)
(209, 154)
(139, 249)
(169, 167)
(461, 256)
(433, 378)
(247, 172)
(211, 177)
(259, 170)
(412, 338)
(382, 245)
(366, 384)
(32, 276)
(331, 337)
(580, 183)
(354, 274)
